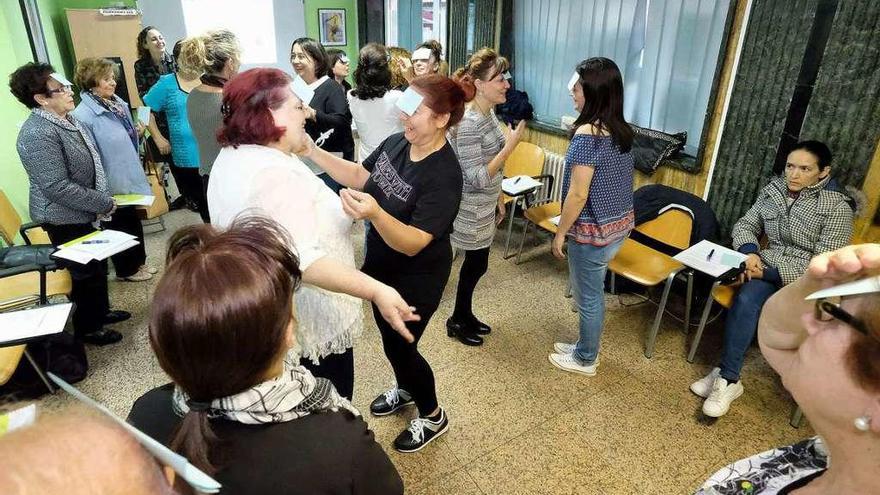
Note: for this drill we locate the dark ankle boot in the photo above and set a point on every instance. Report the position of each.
(480, 328)
(464, 333)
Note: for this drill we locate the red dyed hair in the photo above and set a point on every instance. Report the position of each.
(247, 99)
(445, 95)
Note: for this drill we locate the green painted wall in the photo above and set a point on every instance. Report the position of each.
(351, 26)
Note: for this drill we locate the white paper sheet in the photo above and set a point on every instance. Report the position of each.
(19, 418)
(555, 220)
(409, 102)
(721, 260)
(27, 323)
(143, 115)
(96, 246)
(864, 286)
(514, 186)
(302, 90)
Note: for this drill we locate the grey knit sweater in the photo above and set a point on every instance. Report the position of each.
(67, 184)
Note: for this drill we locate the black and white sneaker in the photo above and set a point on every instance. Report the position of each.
(420, 433)
(390, 401)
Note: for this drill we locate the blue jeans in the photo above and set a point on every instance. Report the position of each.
(742, 324)
(587, 265)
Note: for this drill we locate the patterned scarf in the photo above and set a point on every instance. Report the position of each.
(71, 124)
(293, 394)
(117, 109)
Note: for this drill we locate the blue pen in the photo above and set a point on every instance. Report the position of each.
(96, 241)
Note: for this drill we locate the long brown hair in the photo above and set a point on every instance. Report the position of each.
(602, 83)
(219, 317)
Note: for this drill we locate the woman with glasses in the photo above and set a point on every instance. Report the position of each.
(68, 189)
(802, 214)
(339, 67)
(827, 352)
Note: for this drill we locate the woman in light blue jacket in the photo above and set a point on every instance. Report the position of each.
(108, 118)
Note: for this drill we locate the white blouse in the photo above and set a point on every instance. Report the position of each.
(266, 181)
(375, 120)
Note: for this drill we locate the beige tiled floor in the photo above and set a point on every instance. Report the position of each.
(519, 425)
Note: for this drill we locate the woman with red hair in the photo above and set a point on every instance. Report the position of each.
(409, 189)
(257, 171)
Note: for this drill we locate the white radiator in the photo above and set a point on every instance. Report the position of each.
(554, 164)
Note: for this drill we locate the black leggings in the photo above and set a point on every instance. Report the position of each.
(128, 262)
(190, 185)
(338, 368)
(474, 266)
(411, 371)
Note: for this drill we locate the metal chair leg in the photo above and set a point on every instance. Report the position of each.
(687, 303)
(652, 337)
(40, 373)
(510, 227)
(703, 319)
(613, 283)
(797, 417)
(523, 239)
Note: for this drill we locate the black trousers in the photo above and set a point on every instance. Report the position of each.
(128, 262)
(474, 266)
(338, 368)
(206, 215)
(89, 291)
(190, 183)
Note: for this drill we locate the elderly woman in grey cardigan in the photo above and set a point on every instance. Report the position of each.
(803, 214)
(482, 150)
(68, 189)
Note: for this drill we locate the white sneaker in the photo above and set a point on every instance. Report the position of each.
(722, 395)
(563, 348)
(567, 362)
(703, 386)
(149, 269)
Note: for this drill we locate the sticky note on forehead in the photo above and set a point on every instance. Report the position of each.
(302, 90)
(574, 80)
(343, 59)
(506, 75)
(61, 79)
(409, 102)
(421, 54)
(864, 286)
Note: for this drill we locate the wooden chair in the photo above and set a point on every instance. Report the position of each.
(526, 159)
(11, 225)
(649, 267)
(539, 215)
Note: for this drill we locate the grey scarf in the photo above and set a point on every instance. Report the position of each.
(293, 394)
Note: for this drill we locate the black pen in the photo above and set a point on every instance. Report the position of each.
(516, 181)
(709, 256)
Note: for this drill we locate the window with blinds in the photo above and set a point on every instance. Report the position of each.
(667, 51)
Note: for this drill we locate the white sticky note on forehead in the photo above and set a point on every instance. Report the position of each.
(343, 59)
(864, 286)
(302, 90)
(574, 80)
(506, 75)
(60, 78)
(421, 54)
(409, 102)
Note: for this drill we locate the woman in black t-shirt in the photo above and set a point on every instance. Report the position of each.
(409, 189)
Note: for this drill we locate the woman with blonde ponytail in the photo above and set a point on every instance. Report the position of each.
(221, 323)
(169, 95)
(217, 55)
(482, 150)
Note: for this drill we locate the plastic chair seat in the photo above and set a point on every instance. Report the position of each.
(541, 215)
(724, 295)
(642, 264)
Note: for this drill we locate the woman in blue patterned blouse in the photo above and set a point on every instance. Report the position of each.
(597, 209)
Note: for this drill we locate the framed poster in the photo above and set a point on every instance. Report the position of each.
(331, 27)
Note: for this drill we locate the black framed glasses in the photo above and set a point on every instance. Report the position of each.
(63, 89)
(826, 310)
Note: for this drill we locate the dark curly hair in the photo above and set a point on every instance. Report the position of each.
(372, 75)
(29, 80)
(143, 52)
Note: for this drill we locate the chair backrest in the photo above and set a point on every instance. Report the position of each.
(526, 159)
(10, 222)
(672, 227)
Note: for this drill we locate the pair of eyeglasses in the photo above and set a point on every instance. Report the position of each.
(825, 310)
(62, 89)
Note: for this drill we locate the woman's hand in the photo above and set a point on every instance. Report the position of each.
(163, 145)
(501, 211)
(305, 147)
(395, 310)
(558, 242)
(516, 133)
(310, 112)
(847, 263)
(358, 205)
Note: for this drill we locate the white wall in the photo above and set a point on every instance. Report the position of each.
(288, 21)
